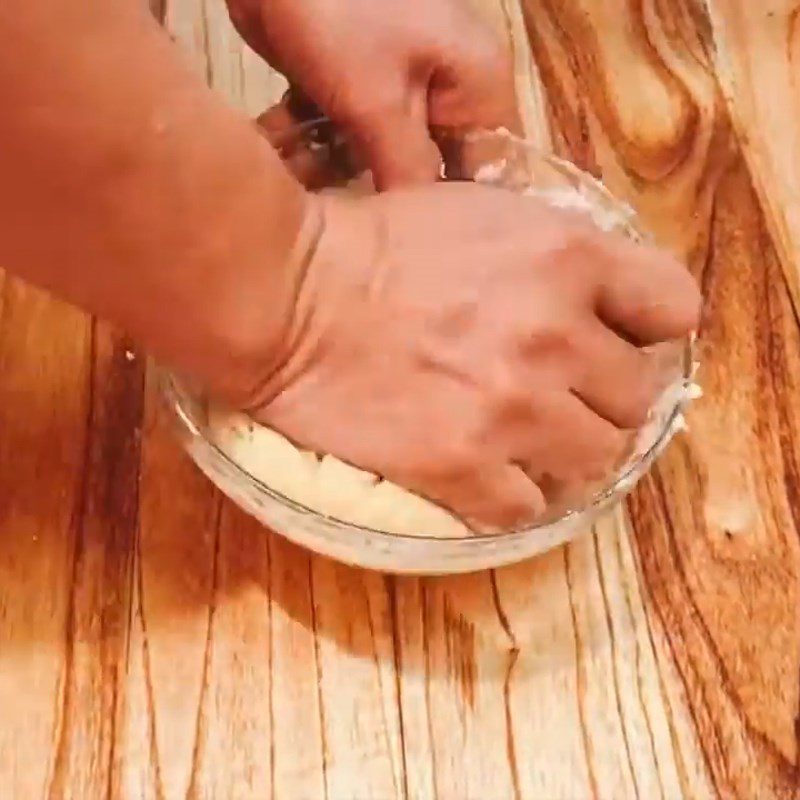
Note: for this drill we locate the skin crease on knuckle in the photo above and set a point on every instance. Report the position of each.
(656, 294)
(607, 370)
(636, 406)
(450, 475)
(490, 502)
(565, 438)
(473, 86)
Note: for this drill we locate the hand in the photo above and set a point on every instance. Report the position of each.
(473, 345)
(386, 73)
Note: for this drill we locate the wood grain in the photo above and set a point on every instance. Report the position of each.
(156, 643)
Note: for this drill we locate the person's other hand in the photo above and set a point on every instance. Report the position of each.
(472, 345)
(387, 73)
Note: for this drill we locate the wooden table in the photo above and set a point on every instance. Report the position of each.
(155, 642)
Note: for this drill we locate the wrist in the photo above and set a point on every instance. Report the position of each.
(260, 322)
(337, 269)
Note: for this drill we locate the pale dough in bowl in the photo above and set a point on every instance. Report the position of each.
(335, 489)
(327, 485)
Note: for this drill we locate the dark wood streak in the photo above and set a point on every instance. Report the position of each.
(105, 525)
(158, 8)
(614, 657)
(697, 15)
(459, 641)
(688, 24)
(425, 623)
(669, 712)
(650, 508)
(318, 668)
(663, 520)
(378, 675)
(59, 780)
(513, 658)
(769, 757)
(782, 377)
(152, 721)
(206, 32)
(791, 27)
(579, 41)
(706, 269)
(637, 661)
(195, 790)
(771, 346)
(780, 371)
(566, 109)
(677, 153)
(580, 681)
(571, 71)
(789, 456)
(271, 656)
(128, 409)
(390, 584)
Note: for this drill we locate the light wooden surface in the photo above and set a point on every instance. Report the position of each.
(155, 643)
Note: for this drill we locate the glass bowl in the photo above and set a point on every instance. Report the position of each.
(500, 159)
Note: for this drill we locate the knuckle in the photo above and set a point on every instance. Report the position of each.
(244, 13)
(581, 240)
(358, 107)
(449, 466)
(511, 514)
(500, 511)
(373, 107)
(595, 460)
(502, 387)
(608, 452)
(636, 412)
(560, 341)
(638, 403)
(574, 249)
(494, 58)
(689, 306)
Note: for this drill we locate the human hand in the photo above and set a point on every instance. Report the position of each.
(387, 75)
(473, 346)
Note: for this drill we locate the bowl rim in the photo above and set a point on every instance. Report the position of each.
(172, 392)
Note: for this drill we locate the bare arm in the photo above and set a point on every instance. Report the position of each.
(411, 344)
(131, 190)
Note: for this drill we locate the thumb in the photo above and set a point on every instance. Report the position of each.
(395, 142)
(473, 85)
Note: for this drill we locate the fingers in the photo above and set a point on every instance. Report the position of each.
(617, 380)
(473, 86)
(247, 19)
(292, 127)
(394, 140)
(647, 296)
(571, 444)
(494, 499)
(311, 166)
(280, 127)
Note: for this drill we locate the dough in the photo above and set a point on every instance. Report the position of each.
(335, 489)
(327, 485)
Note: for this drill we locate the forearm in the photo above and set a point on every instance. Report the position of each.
(130, 189)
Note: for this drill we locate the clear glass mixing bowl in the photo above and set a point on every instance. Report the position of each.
(500, 159)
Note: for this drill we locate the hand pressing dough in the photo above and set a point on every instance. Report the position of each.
(335, 489)
(327, 485)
